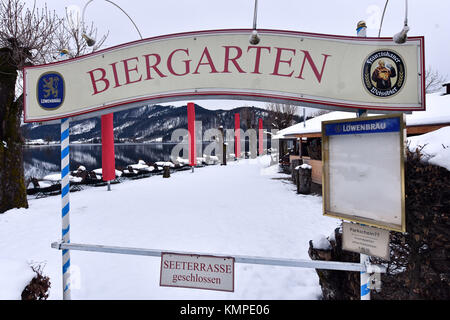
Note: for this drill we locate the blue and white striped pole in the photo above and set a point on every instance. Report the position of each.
(65, 205)
(364, 278)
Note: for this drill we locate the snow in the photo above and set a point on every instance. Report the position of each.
(182, 161)
(36, 141)
(321, 242)
(99, 171)
(437, 111)
(141, 165)
(83, 127)
(436, 146)
(56, 177)
(313, 125)
(304, 166)
(165, 164)
(53, 177)
(15, 275)
(243, 208)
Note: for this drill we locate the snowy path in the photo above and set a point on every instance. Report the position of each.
(238, 210)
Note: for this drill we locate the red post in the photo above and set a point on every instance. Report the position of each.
(191, 129)
(260, 137)
(237, 135)
(108, 159)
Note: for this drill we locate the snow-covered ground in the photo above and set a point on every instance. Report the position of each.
(244, 208)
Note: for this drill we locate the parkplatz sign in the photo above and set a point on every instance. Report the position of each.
(321, 71)
(367, 240)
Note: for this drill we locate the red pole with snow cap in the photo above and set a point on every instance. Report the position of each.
(108, 158)
(260, 137)
(191, 130)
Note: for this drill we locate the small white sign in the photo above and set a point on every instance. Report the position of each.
(366, 240)
(197, 271)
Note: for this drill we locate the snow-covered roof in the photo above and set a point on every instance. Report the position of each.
(437, 112)
(313, 125)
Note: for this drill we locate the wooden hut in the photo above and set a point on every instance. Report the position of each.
(308, 134)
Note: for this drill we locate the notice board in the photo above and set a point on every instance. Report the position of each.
(363, 170)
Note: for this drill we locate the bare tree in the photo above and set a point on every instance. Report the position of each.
(281, 115)
(320, 112)
(27, 36)
(71, 37)
(248, 117)
(433, 80)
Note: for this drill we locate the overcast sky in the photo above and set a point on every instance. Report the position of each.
(425, 18)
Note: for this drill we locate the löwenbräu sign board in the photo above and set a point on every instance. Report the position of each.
(363, 170)
(321, 71)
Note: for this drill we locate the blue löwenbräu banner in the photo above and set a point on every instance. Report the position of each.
(363, 126)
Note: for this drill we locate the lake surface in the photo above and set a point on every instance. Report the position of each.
(42, 160)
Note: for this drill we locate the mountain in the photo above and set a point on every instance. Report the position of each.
(150, 123)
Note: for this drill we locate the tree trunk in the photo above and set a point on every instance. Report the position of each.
(12, 182)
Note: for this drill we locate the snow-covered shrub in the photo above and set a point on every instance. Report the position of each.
(38, 287)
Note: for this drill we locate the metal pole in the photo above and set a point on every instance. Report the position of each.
(255, 13)
(304, 118)
(382, 18)
(363, 259)
(117, 6)
(300, 263)
(65, 205)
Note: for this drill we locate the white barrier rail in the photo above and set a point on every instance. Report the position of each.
(299, 263)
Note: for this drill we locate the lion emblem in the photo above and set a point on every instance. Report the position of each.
(50, 87)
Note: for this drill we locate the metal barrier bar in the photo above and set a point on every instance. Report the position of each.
(299, 263)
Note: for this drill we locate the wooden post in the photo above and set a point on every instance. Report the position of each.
(304, 179)
(224, 161)
(166, 172)
(224, 146)
(294, 173)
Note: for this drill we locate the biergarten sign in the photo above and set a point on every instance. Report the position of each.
(315, 70)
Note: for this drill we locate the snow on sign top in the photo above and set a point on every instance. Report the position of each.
(292, 67)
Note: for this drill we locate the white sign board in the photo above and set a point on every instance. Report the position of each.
(363, 170)
(321, 71)
(367, 240)
(197, 271)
